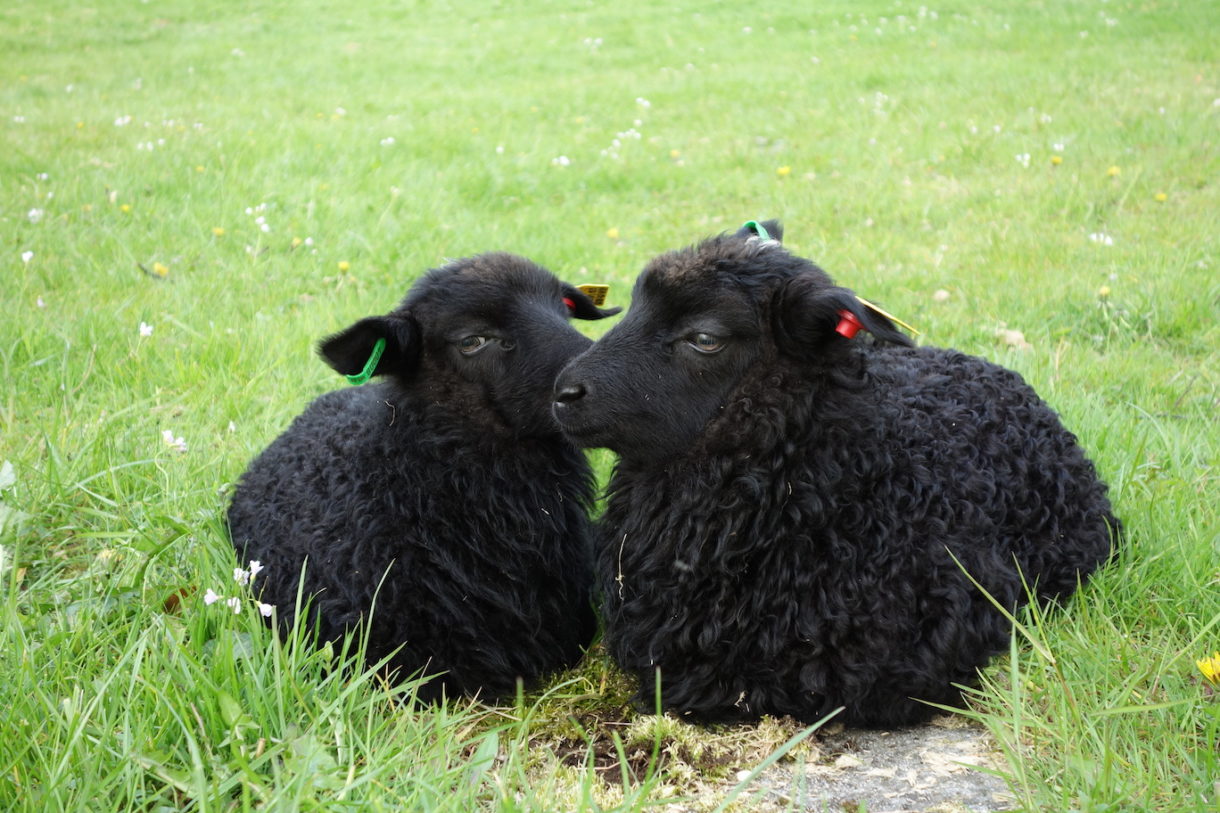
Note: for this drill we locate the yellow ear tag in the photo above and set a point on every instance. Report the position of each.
(597, 293)
(889, 316)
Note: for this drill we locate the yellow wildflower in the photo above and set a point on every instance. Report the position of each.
(1056, 159)
(1114, 172)
(783, 171)
(1161, 197)
(1210, 667)
(612, 233)
(218, 231)
(160, 269)
(1103, 291)
(344, 265)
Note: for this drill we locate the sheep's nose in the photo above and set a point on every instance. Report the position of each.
(568, 393)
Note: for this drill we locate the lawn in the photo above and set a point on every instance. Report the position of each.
(192, 193)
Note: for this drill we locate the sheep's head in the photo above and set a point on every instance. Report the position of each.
(482, 337)
(700, 319)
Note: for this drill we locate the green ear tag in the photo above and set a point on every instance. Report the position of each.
(370, 365)
(757, 228)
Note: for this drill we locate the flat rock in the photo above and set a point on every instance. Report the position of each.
(940, 767)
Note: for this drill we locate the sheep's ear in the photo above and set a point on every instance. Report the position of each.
(350, 351)
(766, 229)
(582, 307)
(809, 313)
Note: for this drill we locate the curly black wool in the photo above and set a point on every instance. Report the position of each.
(441, 502)
(783, 521)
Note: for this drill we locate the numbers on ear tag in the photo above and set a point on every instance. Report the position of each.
(596, 292)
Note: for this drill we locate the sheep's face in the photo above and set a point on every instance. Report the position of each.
(701, 320)
(483, 338)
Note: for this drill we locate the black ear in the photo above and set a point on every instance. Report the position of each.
(766, 229)
(350, 351)
(809, 313)
(582, 306)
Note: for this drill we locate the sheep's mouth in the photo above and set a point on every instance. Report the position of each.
(583, 432)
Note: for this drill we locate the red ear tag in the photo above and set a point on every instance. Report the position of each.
(848, 325)
(571, 305)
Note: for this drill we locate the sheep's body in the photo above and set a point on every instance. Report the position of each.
(798, 555)
(437, 500)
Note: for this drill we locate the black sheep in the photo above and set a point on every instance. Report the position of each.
(782, 525)
(443, 499)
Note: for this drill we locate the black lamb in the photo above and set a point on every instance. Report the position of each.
(792, 510)
(442, 501)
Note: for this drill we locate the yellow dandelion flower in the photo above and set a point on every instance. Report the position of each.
(160, 269)
(1103, 291)
(80, 125)
(218, 231)
(1056, 160)
(612, 233)
(1114, 171)
(784, 171)
(344, 265)
(125, 208)
(1210, 667)
(1161, 197)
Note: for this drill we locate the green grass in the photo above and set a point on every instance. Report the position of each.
(908, 149)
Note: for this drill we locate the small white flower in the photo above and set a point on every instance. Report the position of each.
(388, 141)
(35, 215)
(146, 330)
(232, 427)
(178, 444)
(26, 256)
(234, 604)
(561, 161)
(1057, 146)
(1101, 238)
(1023, 159)
(122, 121)
(241, 576)
(40, 303)
(256, 567)
(265, 609)
(19, 119)
(210, 597)
(42, 176)
(642, 102)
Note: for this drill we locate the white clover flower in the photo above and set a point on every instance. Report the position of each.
(265, 609)
(146, 330)
(210, 597)
(35, 215)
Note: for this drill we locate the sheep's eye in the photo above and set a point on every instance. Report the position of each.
(705, 343)
(468, 345)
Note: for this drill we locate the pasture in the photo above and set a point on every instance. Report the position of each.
(193, 193)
